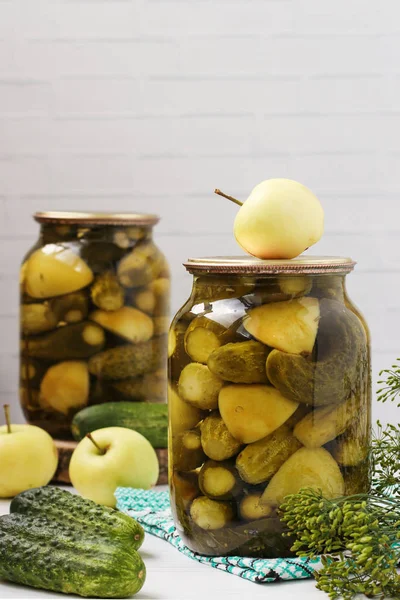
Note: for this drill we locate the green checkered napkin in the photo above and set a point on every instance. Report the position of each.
(153, 511)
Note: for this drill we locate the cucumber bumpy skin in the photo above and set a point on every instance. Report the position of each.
(43, 553)
(63, 507)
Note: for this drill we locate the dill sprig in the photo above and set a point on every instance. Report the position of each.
(385, 460)
(391, 383)
(357, 537)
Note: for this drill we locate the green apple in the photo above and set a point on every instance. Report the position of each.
(28, 458)
(279, 220)
(109, 458)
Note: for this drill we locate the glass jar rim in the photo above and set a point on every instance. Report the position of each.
(100, 218)
(243, 265)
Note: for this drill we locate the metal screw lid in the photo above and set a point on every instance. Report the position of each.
(102, 218)
(251, 265)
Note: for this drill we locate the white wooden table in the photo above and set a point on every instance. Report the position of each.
(172, 576)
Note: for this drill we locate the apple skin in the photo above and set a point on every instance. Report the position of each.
(279, 220)
(28, 459)
(129, 461)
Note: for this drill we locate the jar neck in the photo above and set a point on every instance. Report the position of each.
(123, 236)
(276, 287)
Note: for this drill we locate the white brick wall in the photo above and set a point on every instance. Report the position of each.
(150, 104)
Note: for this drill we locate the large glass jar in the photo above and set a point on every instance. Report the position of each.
(269, 392)
(94, 316)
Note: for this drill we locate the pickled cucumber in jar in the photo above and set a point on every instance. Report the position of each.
(85, 336)
(271, 372)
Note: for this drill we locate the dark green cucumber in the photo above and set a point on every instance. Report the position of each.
(63, 507)
(42, 553)
(151, 420)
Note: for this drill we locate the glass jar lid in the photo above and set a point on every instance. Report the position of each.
(101, 218)
(243, 265)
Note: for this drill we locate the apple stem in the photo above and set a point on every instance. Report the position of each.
(231, 198)
(7, 415)
(99, 448)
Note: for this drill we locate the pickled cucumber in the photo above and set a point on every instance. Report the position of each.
(219, 481)
(127, 322)
(107, 293)
(212, 289)
(350, 451)
(32, 371)
(198, 386)
(210, 514)
(259, 461)
(334, 374)
(253, 411)
(178, 359)
(101, 255)
(71, 308)
(161, 325)
(241, 362)
(145, 300)
(250, 507)
(306, 468)
(80, 340)
(357, 479)
(290, 326)
(217, 442)
(140, 266)
(187, 450)
(161, 289)
(129, 360)
(202, 337)
(326, 423)
(37, 318)
(152, 387)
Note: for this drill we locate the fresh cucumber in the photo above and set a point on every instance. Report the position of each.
(42, 553)
(151, 420)
(63, 507)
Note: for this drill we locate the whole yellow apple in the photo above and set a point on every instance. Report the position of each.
(279, 220)
(109, 458)
(28, 458)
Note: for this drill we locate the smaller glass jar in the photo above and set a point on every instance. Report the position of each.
(269, 392)
(95, 293)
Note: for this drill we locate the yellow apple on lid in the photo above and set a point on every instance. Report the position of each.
(279, 220)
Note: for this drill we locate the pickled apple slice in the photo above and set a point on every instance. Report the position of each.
(129, 323)
(325, 424)
(251, 412)
(65, 386)
(55, 270)
(290, 326)
(306, 468)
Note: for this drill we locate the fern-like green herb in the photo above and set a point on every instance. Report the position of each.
(357, 538)
(391, 383)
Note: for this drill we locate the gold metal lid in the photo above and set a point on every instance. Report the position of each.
(103, 218)
(251, 265)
